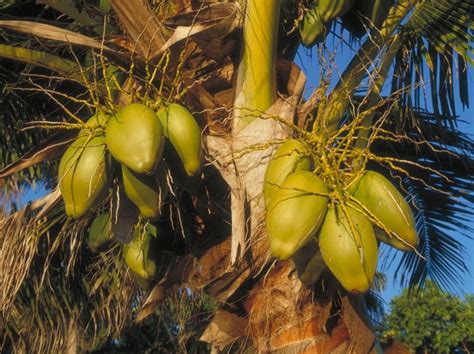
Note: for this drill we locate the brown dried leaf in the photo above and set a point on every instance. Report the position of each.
(19, 238)
(220, 78)
(51, 32)
(226, 285)
(159, 292)
(61, 35)
(225, 328)
(176, 273)
(142, 27)
(206, 24)
(46, 204)
(291, 78)
(85, 15)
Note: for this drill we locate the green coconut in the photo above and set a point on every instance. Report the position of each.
(296, 213)
(353, 263)
(365, 15)
(374, 12)
(147, 192)
(141, 253)
(383, 200)
(291, 156)
(313, 29)
(99, 232)
(98, 120)
(84, 174)
(184, 134)
(134, 137)
(332, 9)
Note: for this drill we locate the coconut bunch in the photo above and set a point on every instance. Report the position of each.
(356, 15)
(129, 146)
(346, 223)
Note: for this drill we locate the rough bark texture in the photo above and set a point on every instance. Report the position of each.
(284, 317)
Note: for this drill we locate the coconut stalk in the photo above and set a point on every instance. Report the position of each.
(254, 94)
(375, 93)
(256, 77)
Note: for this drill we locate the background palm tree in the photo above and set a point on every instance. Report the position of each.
(73, 58)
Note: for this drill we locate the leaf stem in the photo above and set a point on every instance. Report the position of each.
(256, 77)
(359, 66)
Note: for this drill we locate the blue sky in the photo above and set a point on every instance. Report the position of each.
(307, 61)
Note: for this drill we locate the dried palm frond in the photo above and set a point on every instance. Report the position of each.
(20, 235)
(55, 285)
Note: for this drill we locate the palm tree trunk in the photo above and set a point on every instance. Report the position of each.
(286, 317)
(281, 315)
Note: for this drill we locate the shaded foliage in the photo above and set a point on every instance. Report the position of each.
(175, 327)
(436, 48)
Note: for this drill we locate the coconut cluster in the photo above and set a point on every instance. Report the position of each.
(301, 209)
(129, 145)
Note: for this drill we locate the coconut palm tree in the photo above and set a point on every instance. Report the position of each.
(231, 63)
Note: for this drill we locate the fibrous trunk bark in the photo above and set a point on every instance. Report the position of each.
(287, 317)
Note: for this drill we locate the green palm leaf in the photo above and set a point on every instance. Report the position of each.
(435, 33)
(52, 62)
(444, 24)
(442, 206)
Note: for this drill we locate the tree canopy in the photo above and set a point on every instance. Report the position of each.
(430, 320)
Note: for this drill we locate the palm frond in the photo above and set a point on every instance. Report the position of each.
(83, 13)
(34, 97)
(41, 59)
(437, 45)
(55, 285)
(18, 110)
(441, 222)
(373, 299)
(444, 24)
(442, 201)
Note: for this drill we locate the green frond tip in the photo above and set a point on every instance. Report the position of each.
(45, 60)
(436, 33)
(444, 23)
(313, 29)
(463, 82)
